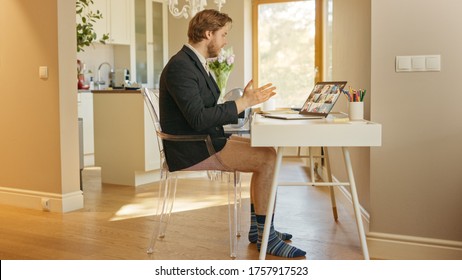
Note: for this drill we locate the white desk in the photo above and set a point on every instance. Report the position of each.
(268, 132)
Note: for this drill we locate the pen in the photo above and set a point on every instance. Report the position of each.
(354, 95)
(362, 95)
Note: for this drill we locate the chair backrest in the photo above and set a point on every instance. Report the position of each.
(151, 99)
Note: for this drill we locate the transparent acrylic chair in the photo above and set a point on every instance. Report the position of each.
(168, 181)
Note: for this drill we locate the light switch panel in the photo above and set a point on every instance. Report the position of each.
(403, 63)
(418, 63)
(433, 63)
(43, 72)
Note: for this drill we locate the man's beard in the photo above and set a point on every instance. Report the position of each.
(213, 50)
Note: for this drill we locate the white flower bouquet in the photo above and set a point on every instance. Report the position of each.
(221, 67)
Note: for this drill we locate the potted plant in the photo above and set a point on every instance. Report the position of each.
(85, 32)
(86, 35)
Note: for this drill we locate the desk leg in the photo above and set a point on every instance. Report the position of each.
(271, 201)
(313, 178)
(354, 197)
(331, 188)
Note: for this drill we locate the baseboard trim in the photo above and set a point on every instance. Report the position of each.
(403, 247)
(41, 200)
(398, 247)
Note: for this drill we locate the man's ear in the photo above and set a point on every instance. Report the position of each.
(208, 34)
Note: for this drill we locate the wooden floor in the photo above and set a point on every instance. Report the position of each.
(116, 223)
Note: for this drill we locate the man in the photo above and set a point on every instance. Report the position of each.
(188, 105)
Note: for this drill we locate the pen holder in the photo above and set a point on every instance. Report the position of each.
(356, 111)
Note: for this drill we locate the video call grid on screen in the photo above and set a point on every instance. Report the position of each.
(323, 97)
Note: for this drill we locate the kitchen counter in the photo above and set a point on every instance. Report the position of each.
(116, 91)
(125, 138)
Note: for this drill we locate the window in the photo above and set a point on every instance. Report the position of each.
(287, 47)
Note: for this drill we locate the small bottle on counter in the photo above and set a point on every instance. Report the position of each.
(92, 84)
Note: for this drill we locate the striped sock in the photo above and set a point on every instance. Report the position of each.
(276, 246)
(253, 231)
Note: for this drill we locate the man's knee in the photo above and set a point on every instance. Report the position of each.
(270, 155)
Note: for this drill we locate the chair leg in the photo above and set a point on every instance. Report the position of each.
(161, 204)
(232, 217)
(167, 193)
(171, 194)
(166, 199)
(238, 185)
(214, 175)
(235, 177)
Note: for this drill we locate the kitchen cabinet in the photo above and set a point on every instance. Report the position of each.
(85, 111)
(117, 19)
(121, 14)
(149, 52)
(125, 138)
(140, 29)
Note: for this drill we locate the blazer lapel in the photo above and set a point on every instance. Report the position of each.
(208, 78)
(214, 83)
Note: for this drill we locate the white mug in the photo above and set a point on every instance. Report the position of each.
(269, 105)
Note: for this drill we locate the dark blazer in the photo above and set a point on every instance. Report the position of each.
(188, 105)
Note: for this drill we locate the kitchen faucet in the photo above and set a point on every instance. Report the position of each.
(100, 82)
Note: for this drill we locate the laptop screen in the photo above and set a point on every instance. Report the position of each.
(323, 97)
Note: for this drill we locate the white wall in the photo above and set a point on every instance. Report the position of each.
(351, 62)
(416, 179)
(412, 185)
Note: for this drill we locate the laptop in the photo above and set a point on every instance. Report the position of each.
(318, 104)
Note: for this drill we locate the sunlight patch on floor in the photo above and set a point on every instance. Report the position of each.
(143, 206)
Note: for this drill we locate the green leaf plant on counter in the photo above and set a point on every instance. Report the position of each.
(85, 32)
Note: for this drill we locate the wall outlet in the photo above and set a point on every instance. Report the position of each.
(43, 72)
(45, 204)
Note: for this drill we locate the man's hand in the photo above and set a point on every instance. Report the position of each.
(253, 96)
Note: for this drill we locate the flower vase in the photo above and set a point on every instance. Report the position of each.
(81, 82)
(222, 80)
